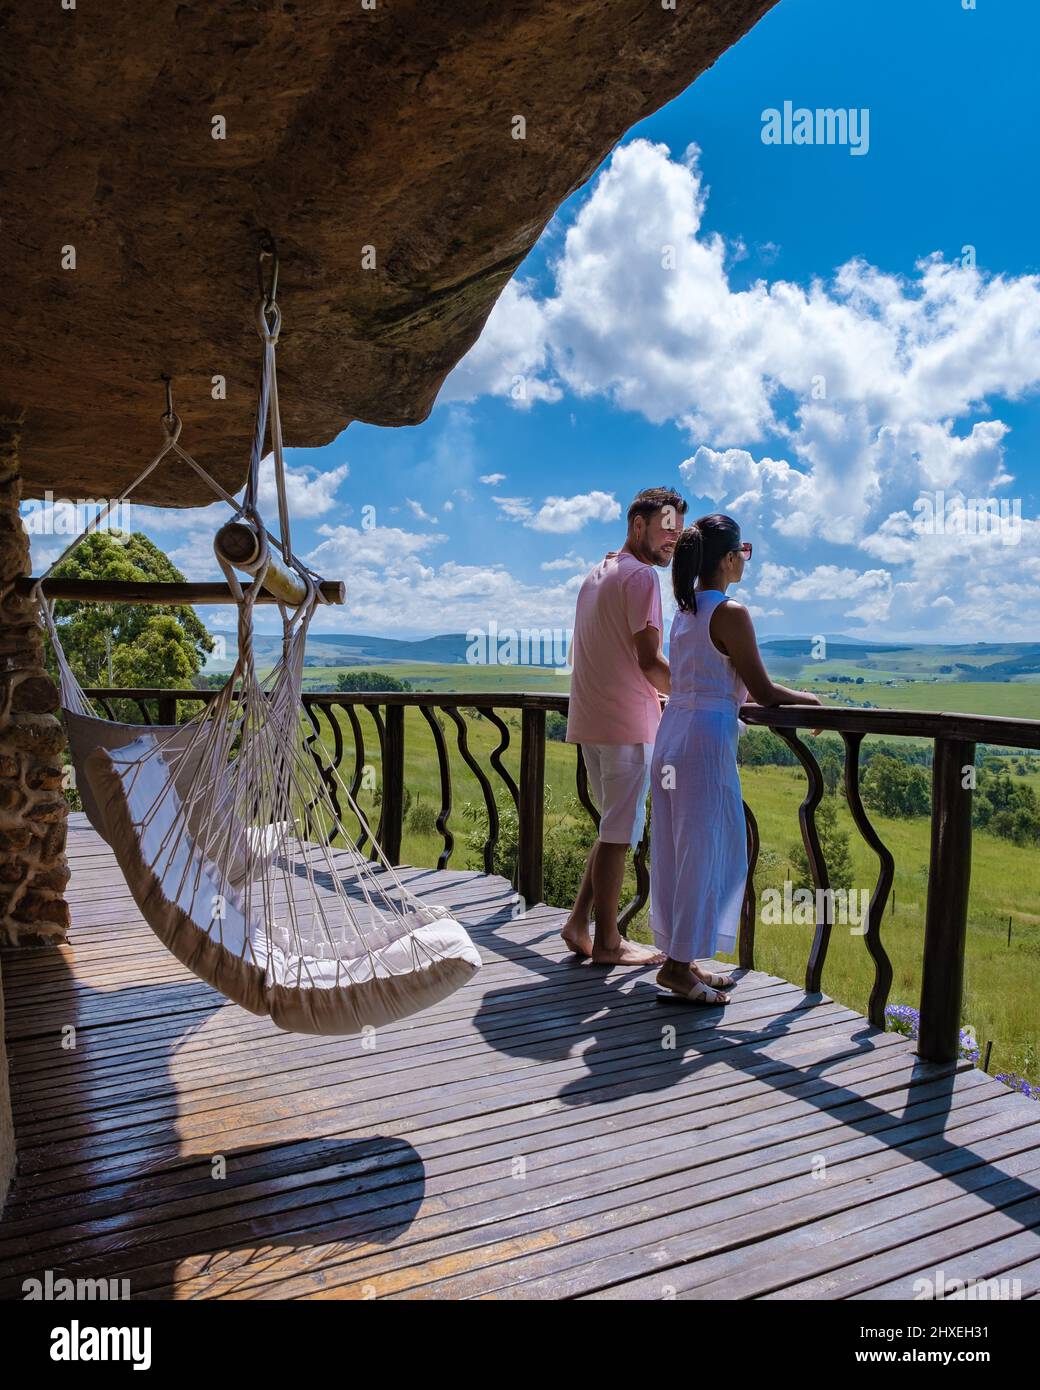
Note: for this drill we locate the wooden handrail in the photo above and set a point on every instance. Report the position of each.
(130, 591)
(895, 723)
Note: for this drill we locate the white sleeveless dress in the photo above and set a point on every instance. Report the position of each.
(698, 840)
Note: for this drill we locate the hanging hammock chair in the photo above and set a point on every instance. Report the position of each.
(227, 826)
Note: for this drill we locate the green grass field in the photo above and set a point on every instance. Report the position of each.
(428, 676)
(1017, 700)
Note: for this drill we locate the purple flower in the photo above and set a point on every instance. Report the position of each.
(901, 1018)
(1019, 1083)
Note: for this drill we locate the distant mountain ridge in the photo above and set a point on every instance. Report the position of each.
(1003, 659)
(355, 649)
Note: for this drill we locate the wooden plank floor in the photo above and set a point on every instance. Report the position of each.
(551, 1131)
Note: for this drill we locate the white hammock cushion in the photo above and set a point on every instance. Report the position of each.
(86, 734)
(214, 927)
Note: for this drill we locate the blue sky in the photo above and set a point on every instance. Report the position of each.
(818, 354)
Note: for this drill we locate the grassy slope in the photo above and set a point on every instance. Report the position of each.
(1017, 700)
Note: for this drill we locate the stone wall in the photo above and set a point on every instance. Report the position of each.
(6, 1123)
(33, 810)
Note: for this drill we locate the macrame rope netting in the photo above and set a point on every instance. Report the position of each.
(234, 812)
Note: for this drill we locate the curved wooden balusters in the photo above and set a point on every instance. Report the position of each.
(377, 720)
(490, 804)
(879, 897)
(639, 899)
(746, 937)
(315, 742)
(495, 757)
(315, 747)
(814, 852)
(445, 776)
(581, 782)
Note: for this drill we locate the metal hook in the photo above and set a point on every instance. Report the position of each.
(165, 377)
(268, 252)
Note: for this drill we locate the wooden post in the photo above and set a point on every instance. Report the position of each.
(393, 783)
(946, 916)
(167, 709)
(532, 806)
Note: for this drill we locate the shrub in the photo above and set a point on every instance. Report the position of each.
(835, 845)
(556, 727)
(568, 836)
(422, 819)
(894, 788)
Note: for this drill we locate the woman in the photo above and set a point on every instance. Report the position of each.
(698, 841)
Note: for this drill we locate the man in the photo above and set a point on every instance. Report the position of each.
(619, 674)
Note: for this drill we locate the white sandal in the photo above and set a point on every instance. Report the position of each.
(700, 994)
(719, 981)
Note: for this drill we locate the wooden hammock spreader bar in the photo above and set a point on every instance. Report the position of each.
(129, 591)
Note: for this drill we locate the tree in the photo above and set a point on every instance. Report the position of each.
(758, 747)
(894, 788)
(567, 840)
(141, 645)
(832, 766)
(556, 726)
(835, 845)
(369, 680)
(1006, 808)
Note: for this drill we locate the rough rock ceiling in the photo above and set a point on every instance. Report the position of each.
(346, 127)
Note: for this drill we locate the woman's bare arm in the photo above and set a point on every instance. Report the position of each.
(733, 632)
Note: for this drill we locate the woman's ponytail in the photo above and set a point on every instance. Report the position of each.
(698, 554)
(686, 566)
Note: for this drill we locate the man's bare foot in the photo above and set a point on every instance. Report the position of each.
(627, 953)
(577, 937)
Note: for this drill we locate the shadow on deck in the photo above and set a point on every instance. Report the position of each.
(551, 1131)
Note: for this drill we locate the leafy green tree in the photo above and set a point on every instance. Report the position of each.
(1006, 808)
(556, 726)
(832, 766)
(136, 644)
(759, 747)
(350, 681)
(894, 788)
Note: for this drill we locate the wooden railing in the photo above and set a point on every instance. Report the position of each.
(954, 738)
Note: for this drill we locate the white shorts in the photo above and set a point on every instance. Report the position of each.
(619, 779)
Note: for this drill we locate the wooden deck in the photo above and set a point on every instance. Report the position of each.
(544, 1133)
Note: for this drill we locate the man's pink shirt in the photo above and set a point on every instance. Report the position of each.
(611, 699)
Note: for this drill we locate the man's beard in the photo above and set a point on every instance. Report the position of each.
(652, 557)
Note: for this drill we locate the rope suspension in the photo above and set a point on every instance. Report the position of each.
(228, 827)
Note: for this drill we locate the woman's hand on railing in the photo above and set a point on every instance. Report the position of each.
(808, 698)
